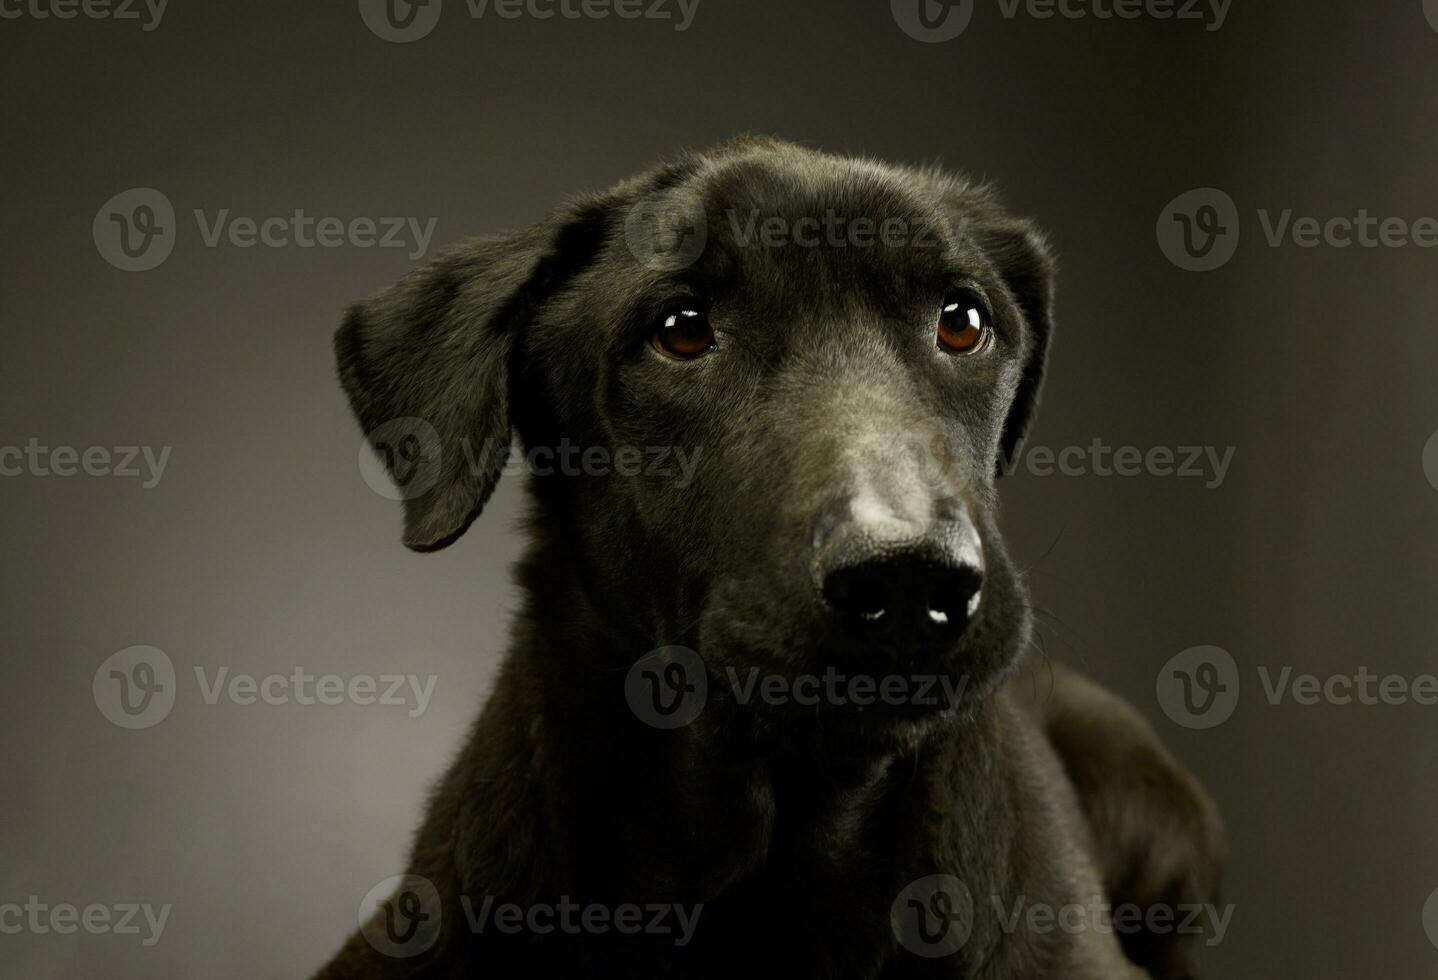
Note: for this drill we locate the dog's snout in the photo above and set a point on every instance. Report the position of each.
(906, 589)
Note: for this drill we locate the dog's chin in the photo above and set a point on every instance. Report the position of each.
(848, 734)
(797, 684)
(839, 712)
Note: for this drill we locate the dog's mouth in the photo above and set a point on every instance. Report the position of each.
(888, 690)
(851, 690)
(806, 675)
(834, 711)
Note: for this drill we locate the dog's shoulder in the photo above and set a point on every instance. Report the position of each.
(1157, 835)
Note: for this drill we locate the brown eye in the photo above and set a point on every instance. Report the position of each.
(963, 325)
(685, 333)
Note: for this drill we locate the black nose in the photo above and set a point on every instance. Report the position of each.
(900, 591)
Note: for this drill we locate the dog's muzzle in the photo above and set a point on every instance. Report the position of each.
(906, 588)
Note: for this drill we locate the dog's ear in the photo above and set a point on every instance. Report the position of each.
(1020, 253)
(427, 364)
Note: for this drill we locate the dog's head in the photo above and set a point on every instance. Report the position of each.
(765, 393)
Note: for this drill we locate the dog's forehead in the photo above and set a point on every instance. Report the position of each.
(799, 218)
(785, 232)
(793, 190)
(798, 184)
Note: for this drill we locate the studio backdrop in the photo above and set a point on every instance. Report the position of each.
(228, 686)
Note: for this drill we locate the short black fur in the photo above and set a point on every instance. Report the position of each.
(824, 402)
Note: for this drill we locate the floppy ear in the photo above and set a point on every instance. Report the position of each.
(1021, 255)
(427, 364)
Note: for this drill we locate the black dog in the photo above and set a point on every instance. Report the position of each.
(770, 715)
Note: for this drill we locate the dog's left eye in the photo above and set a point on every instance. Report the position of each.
(963, 325)
(685, 333)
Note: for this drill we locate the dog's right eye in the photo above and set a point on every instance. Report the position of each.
(963, 325)
(685, 334)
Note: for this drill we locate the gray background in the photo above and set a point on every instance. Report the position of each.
(263, 549)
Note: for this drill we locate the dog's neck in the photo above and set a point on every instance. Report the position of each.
(693, 813)
(698, 811)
